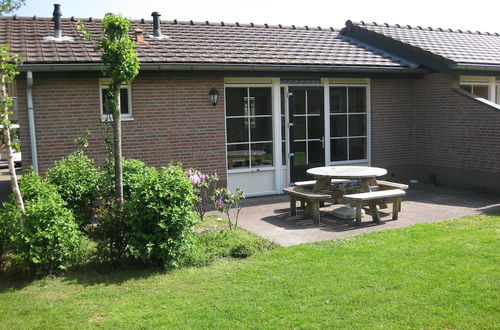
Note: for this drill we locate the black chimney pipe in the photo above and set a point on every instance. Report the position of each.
(57, 21)
(156, 24)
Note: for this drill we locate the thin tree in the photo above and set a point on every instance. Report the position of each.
(8, 72)
(121, 64)
(8, 6)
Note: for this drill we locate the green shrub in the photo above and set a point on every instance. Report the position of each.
(210, 246)
(159, 215)
(109, 233)
(46, 237)
(77, 180)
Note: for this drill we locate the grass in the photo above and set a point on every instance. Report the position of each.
(439, 275)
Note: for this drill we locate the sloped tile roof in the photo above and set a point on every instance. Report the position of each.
(458, 46)
(197, 43)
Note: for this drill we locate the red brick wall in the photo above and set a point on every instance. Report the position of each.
(457, 139)
(173, 121)
(392, 114)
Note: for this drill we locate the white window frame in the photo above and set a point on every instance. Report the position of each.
(104, 84)
(366, 85)
(248, 84)
(491, 82)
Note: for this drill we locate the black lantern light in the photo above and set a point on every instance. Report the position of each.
(214, 96)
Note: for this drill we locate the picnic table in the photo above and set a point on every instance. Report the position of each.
(365, 174)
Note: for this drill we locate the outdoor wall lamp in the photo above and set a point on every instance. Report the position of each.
(214, 96)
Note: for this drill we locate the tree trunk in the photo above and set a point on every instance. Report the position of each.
(117, 148)
(8, 147)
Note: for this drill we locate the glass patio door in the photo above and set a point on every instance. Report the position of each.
(307, 137)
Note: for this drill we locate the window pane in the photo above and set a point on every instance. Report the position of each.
(237, 156)
(299, 128)
(338, 149)
(261, 128)
(357, 99)
(338, 99)
(283, 153)
(338, 125)
(299, 104)
(261, 154)
(105, 110)
(237, 130)
(357, 125)
(235, 101)
(467, 88)
(314, 101)
(282, 98)
(262, 99)
(300, 153)
(357, 148)
(124, 106)
(283, 127)
(315, 127)
(481, 91)
(124, 101)
(315, 152)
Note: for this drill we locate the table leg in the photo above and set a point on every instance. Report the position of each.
(321, 183)
(374, 211)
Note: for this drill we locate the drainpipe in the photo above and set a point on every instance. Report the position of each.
(31, 121)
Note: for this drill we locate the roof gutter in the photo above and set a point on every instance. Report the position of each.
(221, 67)
(31, 120)
(476, 67)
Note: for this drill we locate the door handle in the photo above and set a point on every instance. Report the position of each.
(323, 142)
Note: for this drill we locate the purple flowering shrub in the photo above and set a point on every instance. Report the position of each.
(224, 200)
(204, 185)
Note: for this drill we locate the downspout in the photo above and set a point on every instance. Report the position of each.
(31, 120)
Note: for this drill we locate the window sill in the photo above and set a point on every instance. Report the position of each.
(251, 170)
(106, 119)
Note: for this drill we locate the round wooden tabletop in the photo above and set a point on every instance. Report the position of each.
(347, 172)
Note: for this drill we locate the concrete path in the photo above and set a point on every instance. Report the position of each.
(268, 216)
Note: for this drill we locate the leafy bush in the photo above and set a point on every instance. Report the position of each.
(46, 237)
(130, 168)
(158, 215)
(77, 181)
(109, 233)
(213, 245)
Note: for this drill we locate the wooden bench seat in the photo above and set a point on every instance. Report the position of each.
(304, 195)
(386, 185)
(376, 197)
(311, 183)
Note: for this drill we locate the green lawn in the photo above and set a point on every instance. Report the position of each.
(441, 275)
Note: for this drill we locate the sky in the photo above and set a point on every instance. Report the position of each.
(477, 15)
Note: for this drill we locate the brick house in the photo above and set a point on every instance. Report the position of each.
(421, 102)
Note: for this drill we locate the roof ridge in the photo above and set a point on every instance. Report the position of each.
(190, 22)
(409, 27)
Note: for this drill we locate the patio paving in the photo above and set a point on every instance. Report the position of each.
(269, 216)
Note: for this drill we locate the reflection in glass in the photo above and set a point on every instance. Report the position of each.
(299, 151)
(237, 156)
(262, 129)
(261, 97)
(261, 154)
